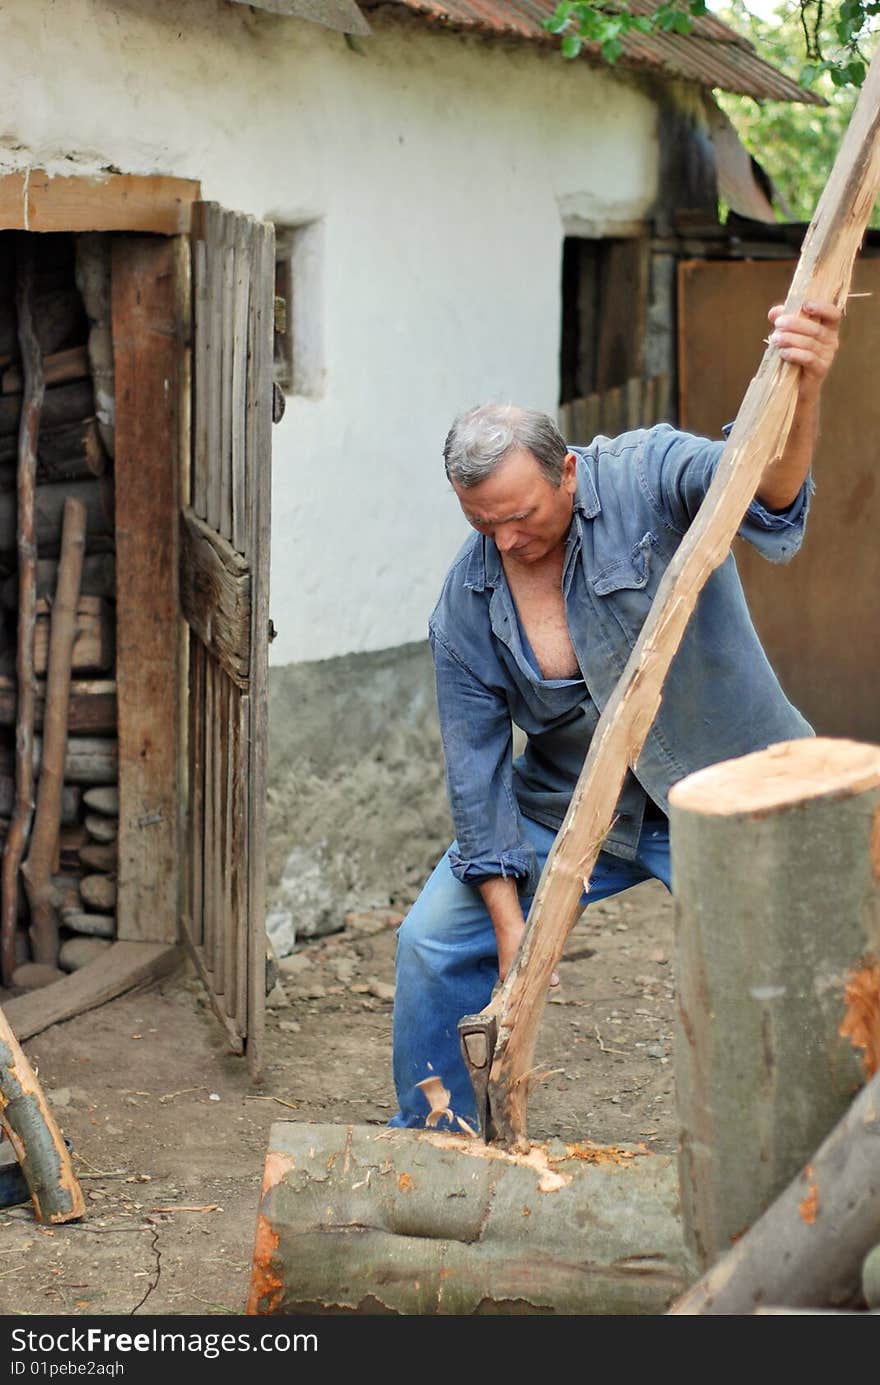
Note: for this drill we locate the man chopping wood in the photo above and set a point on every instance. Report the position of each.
(536, 620)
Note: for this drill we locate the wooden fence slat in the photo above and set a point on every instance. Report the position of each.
(208, 895)
(200, 395)
(240, 857)
(218, 783)
(196, 787)
(260, 471)
(227, 404)
(214, 358)
(243, 231)
(231, 921)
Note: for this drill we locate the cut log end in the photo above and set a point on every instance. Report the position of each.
(786, 774)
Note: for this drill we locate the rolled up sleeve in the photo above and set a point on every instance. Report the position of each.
(477, 741)
(679, 468)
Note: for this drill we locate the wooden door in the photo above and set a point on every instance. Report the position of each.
(224, 575)
(818, 617)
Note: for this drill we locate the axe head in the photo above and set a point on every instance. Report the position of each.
(478, 1035)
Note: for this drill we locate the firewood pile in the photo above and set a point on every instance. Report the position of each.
(59, 799)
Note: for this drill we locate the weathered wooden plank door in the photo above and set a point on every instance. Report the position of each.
(224, 595)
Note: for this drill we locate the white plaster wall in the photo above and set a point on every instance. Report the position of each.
(444, 170)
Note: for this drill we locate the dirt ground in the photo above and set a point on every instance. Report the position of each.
(170, 1135)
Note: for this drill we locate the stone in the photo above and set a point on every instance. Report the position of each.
(309, 894)
(289, 1026)
(277, 998)
(382, 990)
(78, 952)
(280, 931)
(294, 965)
(32, 975)
(59, 1096)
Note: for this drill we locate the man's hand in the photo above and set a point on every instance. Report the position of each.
(501, 899)
(808, 339)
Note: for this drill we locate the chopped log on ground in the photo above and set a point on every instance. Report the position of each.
(777, 901)
(98, 579)
(37, 869)
(36, 1139)
(808, 1248)
(759, 435)
(92, 705)
(89, 759)
(24, 535)
(569, 1229)
(94, 636)
(97, 496)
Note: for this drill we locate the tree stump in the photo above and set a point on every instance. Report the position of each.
(776, 878)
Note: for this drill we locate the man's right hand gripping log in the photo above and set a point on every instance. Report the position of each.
(568, 613)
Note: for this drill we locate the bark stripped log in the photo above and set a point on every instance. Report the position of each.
(359, 1220)
(35, 1137)
(808, 1248)
(777, 904)
(37, 870)
(29, 432)
(759, 435)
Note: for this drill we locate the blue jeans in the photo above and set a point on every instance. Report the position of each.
(447, 966)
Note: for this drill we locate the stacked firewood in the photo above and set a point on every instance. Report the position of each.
(59, 818)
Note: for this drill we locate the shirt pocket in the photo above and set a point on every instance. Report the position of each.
(629, 573)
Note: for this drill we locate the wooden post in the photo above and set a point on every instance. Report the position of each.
(777, 900)
(761, 430)
(36, 1139)
(29, 430)
(37, 870)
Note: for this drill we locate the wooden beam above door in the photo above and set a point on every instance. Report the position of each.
(34, 200)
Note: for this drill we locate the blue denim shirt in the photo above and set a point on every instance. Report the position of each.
(636, 495)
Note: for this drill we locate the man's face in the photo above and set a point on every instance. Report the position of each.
(518, 507)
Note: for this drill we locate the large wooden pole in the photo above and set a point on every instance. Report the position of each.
(29, 431)
(759, 435)
(776, 880)
(358, 1220)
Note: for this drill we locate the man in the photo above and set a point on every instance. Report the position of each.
(535, 622)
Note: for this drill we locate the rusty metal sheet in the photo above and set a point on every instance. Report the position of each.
(819, 616)
(712, 54)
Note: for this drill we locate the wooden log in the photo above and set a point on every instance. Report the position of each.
(92, 705)
(98, 579)
(71, 799)
(759, 435)
(25, 532)
(65, 894)
(104, 830)
(93, 631)
(70, 453)
(99, 856)
(96, 495)
(358, 1220)
(72, 841)
(36, 1139)
(64, 404)
(808, 1248)
(122, 967)
(777, 899)
(103, 800)
(89, 760)
(37, 868)
(58, 369)
(98, 893)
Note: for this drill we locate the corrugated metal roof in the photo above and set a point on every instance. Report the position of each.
(711, 55)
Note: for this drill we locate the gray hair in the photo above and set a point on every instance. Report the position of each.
(480, 439)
